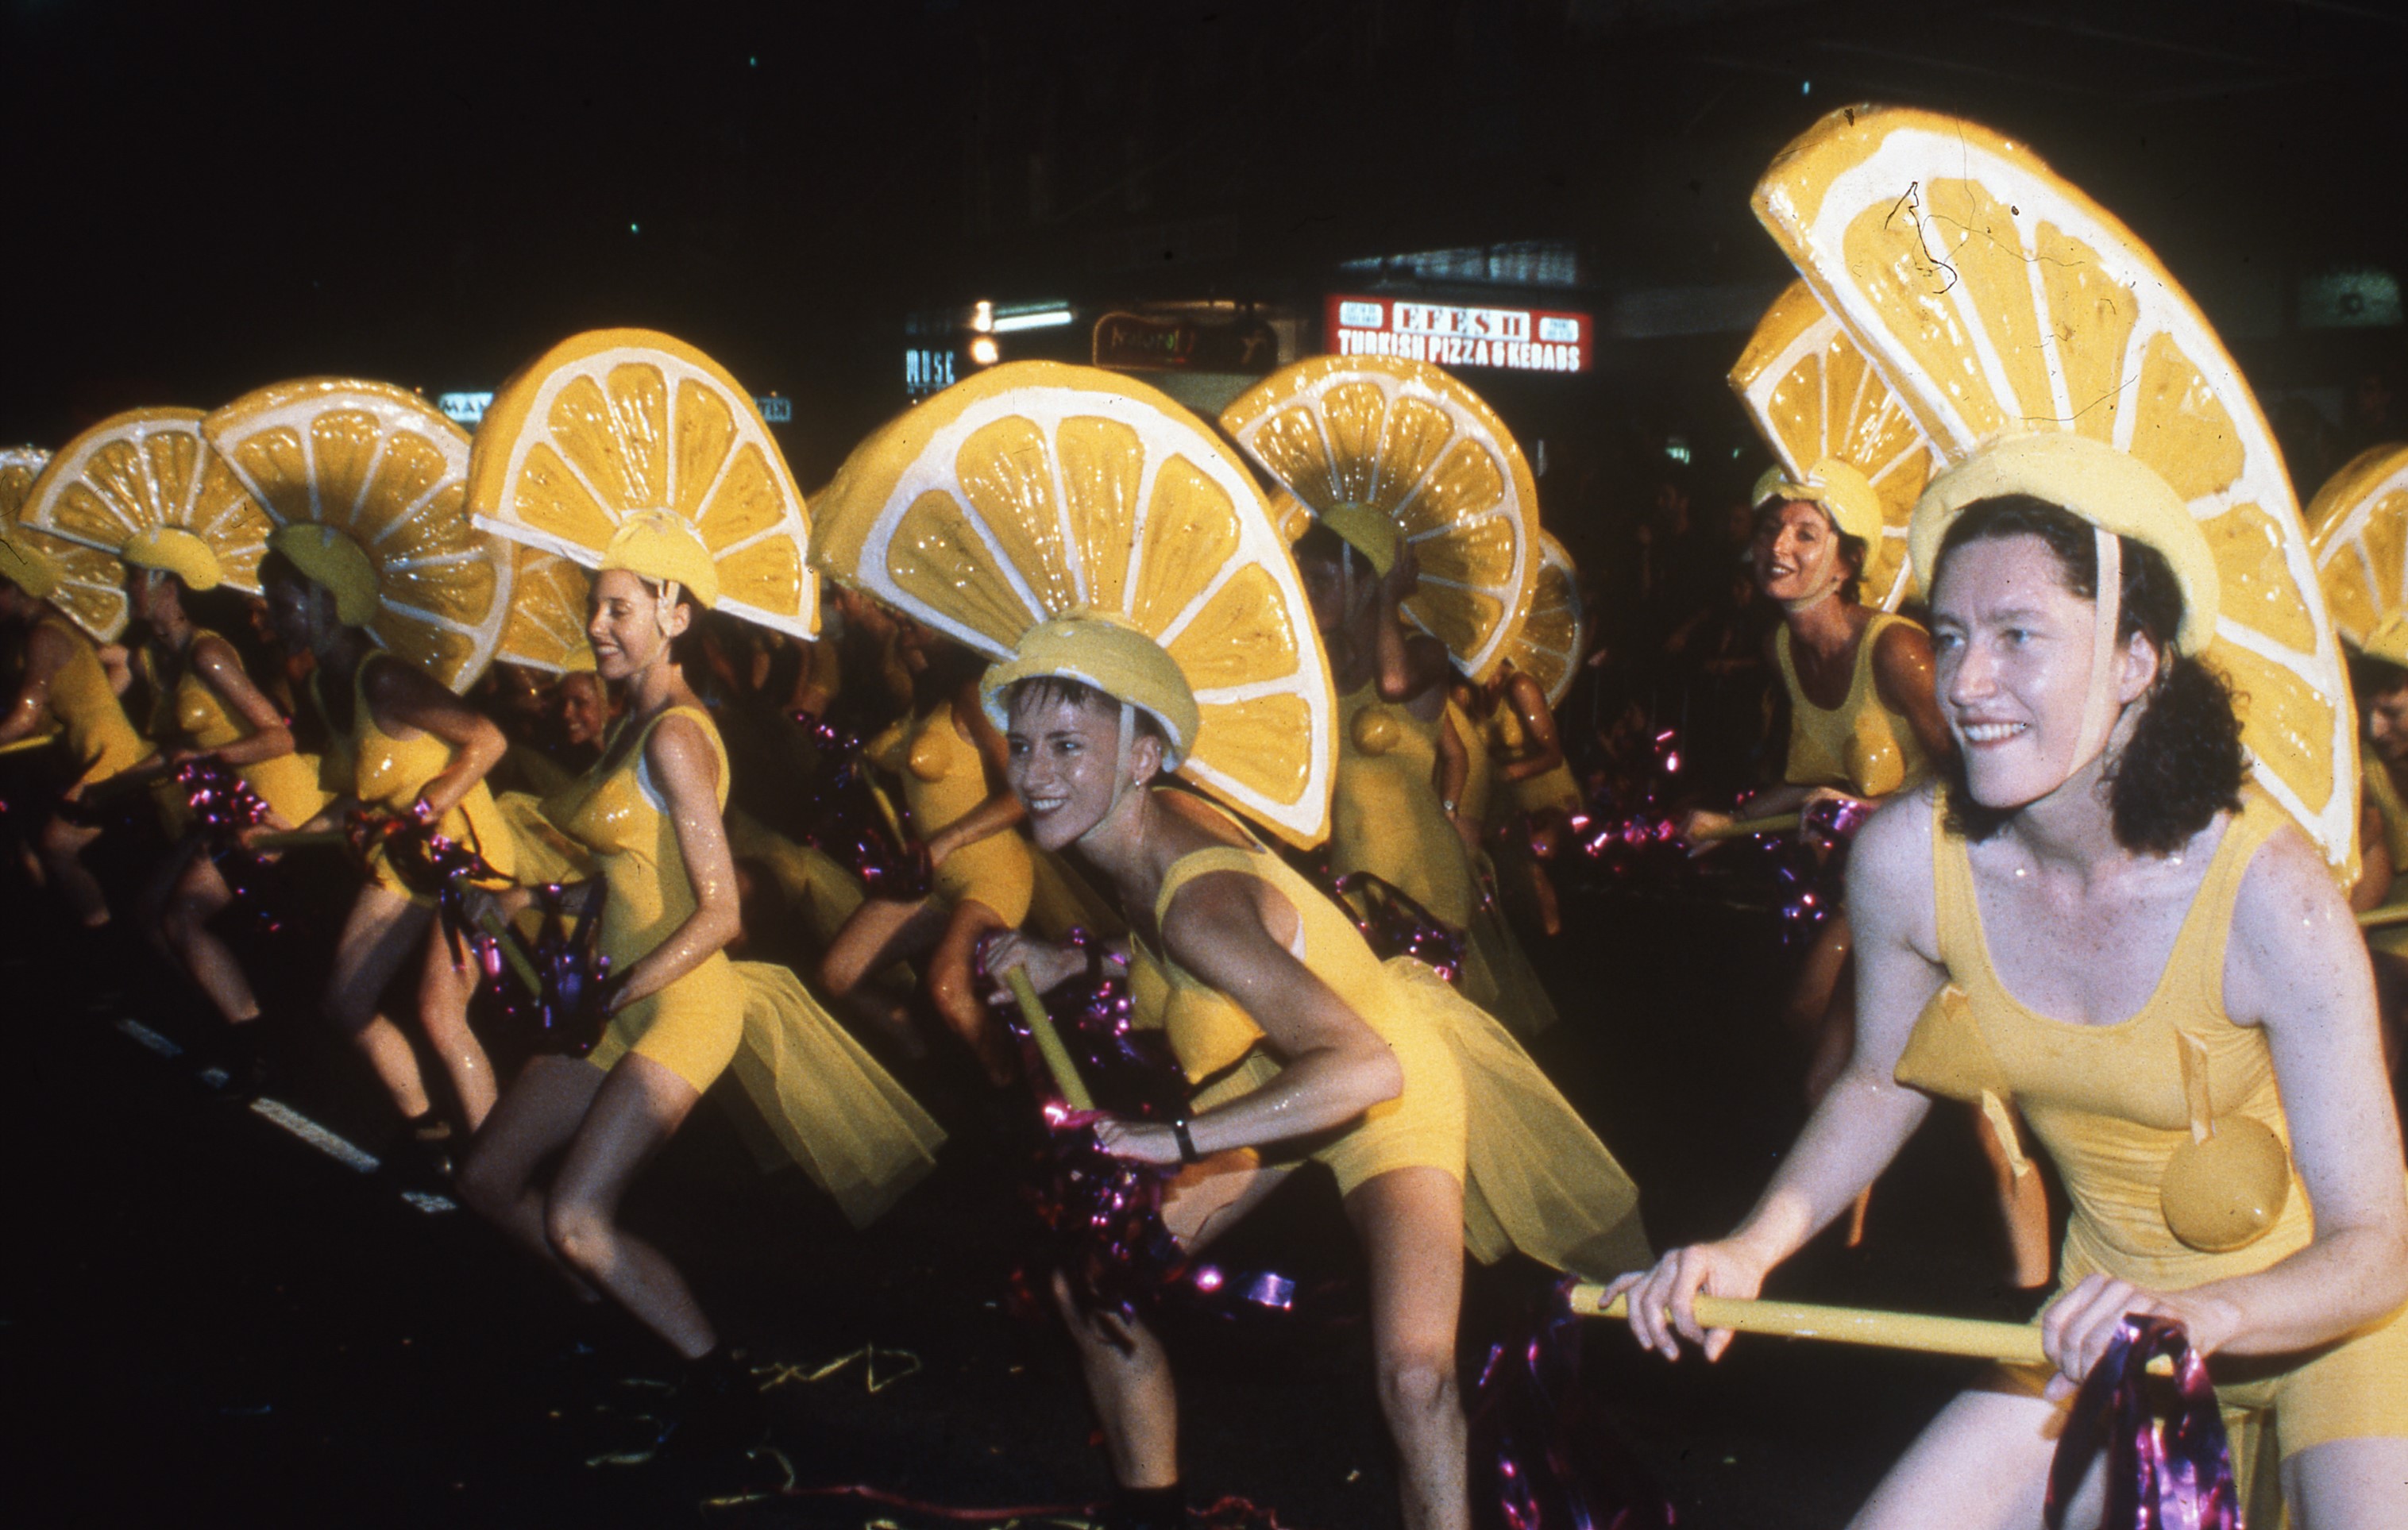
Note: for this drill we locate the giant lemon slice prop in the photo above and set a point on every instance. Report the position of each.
(1815, 398)
(1035, 490)
(2359, 527)
(150, 470)
(1405, 439)
(387, 469)
(546, 625)
(615, 422)
(1548, 642)
(1996, 299)
(92, 584)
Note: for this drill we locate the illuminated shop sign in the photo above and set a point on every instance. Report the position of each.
(1514, 339)
(926, 371)
(468, 409)
(1139, 342)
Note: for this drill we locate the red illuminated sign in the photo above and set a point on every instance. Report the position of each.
(1443, 335)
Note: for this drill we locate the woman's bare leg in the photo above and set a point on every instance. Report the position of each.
(63, 845)
(1411, 1221)
(446, 983)
(536, 1118)
(2359, 1484)
(199, 894)
(876, 936)
(954, 992)
(638, 1106)
(1981, 1464)
(383, 931)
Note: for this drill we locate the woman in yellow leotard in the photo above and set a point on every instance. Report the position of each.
(2380, 683)
(1440, 1132)
(2092, 920)
(949, 760)
(1386, 815)
(207, 706)
(64, 683)
(1514, 770)
(650, 815)
(399, 744)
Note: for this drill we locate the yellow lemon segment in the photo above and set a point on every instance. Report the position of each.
(1815, 398)
(614, 421)
(1553, 634)
(387, 469)
(1405, 439)
(92, 584)
(546, 629)
(2358, 528)
(1035, 490)
(1996, 299)
(148, 471)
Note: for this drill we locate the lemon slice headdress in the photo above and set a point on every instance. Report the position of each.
(147, 487)
(1817, 402)
(629, 448)
(366, 484)
(1374, 442)
(1998, 301)
(87, 584)
(546, 629)
(2359, 527)
(1553, 634)
(1036, 492)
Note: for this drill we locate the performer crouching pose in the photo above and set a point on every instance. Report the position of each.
(2092, 918)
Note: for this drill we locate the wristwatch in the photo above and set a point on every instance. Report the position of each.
(1187, 1153)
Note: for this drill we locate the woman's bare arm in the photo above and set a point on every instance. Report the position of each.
(214, 660)
(403, 697)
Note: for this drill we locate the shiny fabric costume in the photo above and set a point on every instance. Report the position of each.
(850, 1126)
(1474, 1105)
(1387, 819)
(944, 780)
(288, 784)
(1550, 788)
(1860, 745)
(2107, 1103)
(99, 735)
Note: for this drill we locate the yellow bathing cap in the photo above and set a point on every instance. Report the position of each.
(174, 550)
(1368, 532)
(333, 560)
(661, 546)
(1839, 490)
(1107, 653)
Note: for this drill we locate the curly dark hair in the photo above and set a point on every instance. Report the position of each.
(2183, 764)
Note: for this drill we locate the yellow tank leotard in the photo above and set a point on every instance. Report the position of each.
(100, 739)
(1535, 1177)
(1860, 745)
(2107, 1104)
(382, 771)
(2380, 790)
(1385, 817)
(288, 784)
(835, 1111)
(944, 780)
(1479, 800)
(1550, 788)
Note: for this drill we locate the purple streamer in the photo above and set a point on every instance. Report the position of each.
(2169, 1464)
(1539, 1456)
(1394, 924)
(846, 823)
(571, 1007)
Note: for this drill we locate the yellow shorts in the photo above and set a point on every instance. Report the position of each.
(691, 1027)
(1422, 1127)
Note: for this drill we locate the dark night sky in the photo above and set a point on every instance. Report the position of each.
(213, 197)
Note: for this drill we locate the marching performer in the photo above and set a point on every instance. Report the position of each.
(71, 601)
(676, 494)
(2120, 912)
(1148, 619)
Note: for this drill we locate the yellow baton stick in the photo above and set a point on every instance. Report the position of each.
(26, 746)
(297, 839)
(1049, 1042)
(2384, 917)
(1741, 828)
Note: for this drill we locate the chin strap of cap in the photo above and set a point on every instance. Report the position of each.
(2098, 708)
(1120, 782)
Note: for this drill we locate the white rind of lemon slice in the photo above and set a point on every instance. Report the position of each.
(547, 626)
(92, 583)
(1996, 299)
(1407, 439)
(1553, 634)
(615, 422)
(391, 472)
(1035, 489)
(144, 470)
(1815, 398)
(2359, 527)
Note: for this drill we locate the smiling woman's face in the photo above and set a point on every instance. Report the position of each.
(623, 624)
(1794, 551)
(1064, 765)
(2013, 650)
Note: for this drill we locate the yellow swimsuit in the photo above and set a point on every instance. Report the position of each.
(1860, 745)
(1550, 788)
(2386, 800)
(288, 784)
(1479, 799)
(100, 738)
(854, 1130)
(944, 780)
(2107, 1103)
(382, 771)
(1474, 1105)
